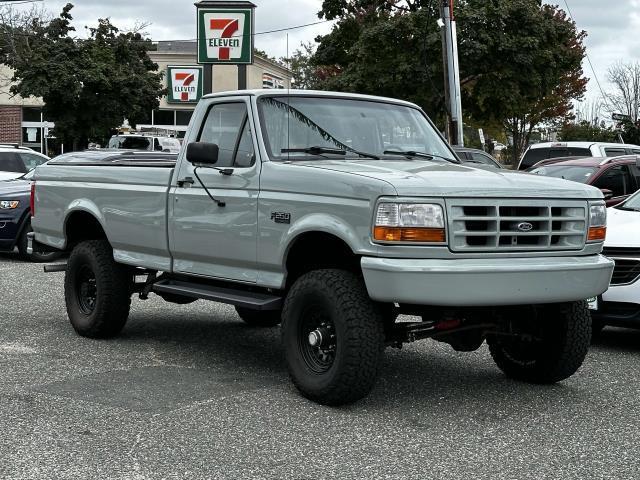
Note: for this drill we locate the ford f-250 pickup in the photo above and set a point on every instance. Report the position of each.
(331, 214)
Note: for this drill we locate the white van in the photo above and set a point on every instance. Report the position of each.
(133, 141)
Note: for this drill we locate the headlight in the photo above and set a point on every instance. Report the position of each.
(409, 222)
(597, 223)
(9, 204)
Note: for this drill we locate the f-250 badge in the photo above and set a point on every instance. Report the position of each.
(281, 217)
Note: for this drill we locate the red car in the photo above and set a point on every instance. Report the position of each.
(617, 177)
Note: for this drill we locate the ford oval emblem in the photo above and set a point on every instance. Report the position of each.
(525, 226)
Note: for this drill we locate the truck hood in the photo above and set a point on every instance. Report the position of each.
(622, 228)
(436, 179)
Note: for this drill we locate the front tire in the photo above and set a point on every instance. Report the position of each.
(96, 290)
(333, 336)
(560, 335)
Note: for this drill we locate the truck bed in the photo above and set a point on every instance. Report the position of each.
(126, 192)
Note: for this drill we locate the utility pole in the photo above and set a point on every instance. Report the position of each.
(451, 74)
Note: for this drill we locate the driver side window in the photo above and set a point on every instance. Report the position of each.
(222, 127)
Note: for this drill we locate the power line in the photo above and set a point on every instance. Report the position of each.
(595, 76)
(266, 32)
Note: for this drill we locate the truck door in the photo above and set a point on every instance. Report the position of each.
(206, 238)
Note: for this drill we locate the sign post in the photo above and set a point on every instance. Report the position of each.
(225, 36)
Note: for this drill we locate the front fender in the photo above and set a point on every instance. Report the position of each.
(320, 222)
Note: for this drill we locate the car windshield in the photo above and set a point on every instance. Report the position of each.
(130, 143)
(333, 124)
(575, 173)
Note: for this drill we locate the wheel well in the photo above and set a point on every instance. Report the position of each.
(82, 226)
(315, 250)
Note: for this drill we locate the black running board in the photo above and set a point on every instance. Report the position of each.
(232, 296)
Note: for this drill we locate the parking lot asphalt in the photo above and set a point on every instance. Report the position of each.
(191, 392)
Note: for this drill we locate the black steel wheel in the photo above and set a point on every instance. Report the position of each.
(317, 339)
(333, 336)
(548, 343)
(86, 290)
(97, 290)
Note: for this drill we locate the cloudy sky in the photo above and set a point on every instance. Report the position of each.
(613, 26)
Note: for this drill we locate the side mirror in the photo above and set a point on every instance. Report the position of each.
(202, 153)
(607, 193)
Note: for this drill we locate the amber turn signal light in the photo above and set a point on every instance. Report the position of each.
(597, 233)
(409, 234)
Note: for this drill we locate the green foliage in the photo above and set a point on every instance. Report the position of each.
(630, 132)
(304, 74)
(520, 60)
(586, 131)
(88, 85)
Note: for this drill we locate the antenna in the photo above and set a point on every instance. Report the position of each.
(288, 99)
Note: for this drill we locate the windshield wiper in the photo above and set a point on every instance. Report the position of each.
(412, 153)
(316, 150)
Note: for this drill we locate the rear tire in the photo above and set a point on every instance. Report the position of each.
(260, 318)
(564, 335)
(96, 290)
(35, 256)
(332, 309)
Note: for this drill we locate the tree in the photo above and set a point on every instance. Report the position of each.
(520, 60)
(587, 132)
(625, 78)
(520, 64)
(304, 73)
(88, 85)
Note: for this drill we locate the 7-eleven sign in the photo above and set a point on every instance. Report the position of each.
(184, 84)
(225, 35)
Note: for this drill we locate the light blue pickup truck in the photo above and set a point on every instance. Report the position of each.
(331, 214)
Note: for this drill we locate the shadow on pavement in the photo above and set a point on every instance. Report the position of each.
(425, 375)
(620, 339)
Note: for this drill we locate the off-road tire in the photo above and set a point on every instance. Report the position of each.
(36, 257)
(565, 338)
(260, 318)
(112, 293)
(340, 297)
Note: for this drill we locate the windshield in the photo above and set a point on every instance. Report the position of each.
(568, 172)
(130, 143)
(338, 123)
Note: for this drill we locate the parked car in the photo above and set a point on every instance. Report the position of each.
(15, 161)
(545, 150)
(477, 157)
(295, 208)
(620, 304)
(136, 141)
(15, 218)
(616, 177)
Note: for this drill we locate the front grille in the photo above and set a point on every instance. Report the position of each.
(627, 264)
(496, 225)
